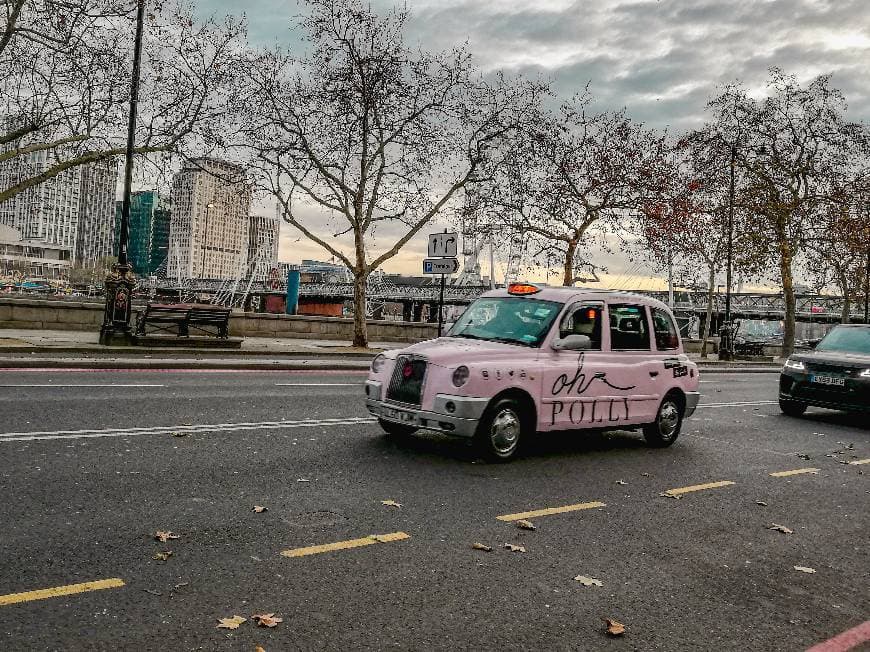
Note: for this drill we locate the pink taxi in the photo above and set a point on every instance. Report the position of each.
(533, 358)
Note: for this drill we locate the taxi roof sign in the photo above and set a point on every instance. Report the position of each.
(523, 288)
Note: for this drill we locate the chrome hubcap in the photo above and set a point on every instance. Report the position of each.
(669, 419)
(505, 431)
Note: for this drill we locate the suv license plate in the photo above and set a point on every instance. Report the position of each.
(399, 415)
(828, 380)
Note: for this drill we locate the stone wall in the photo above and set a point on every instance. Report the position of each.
(37, 314)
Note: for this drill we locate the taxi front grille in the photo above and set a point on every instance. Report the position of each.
(406, 385)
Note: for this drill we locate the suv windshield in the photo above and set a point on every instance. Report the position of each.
(848, 339)
(512, 320)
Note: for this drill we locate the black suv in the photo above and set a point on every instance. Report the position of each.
(835, 375)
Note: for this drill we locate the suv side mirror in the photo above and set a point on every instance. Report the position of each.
(572, 343)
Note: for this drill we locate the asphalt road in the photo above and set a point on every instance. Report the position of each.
(93, 464)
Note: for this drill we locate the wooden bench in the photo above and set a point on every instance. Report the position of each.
(182, 317)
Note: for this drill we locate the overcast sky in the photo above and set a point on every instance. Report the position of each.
(660, 60)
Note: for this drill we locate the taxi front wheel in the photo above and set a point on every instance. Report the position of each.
(664, 430)
(500, 431)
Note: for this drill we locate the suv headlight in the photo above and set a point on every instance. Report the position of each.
(460, 376)
(795, 364)
(378, 362)
(865, 373)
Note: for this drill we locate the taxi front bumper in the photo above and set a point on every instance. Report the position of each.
(452, 415)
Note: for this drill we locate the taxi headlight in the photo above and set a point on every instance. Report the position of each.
(865, 373)
(795, 364)
(460, 376)
(378, 362)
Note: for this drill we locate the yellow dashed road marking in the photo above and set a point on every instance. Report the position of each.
(672, 493)
(867, 461)
(783, 474)
(344, 545)
(69, 589)
(549, 510)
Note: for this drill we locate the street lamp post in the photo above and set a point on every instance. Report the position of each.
(208, 207)
(120, 281)
(726, 349)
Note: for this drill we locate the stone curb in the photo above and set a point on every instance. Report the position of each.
(145, 351)
(206, 365)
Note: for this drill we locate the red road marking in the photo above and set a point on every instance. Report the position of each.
(323, 372)
(848, 640)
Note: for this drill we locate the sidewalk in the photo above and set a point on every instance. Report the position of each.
(81, 350)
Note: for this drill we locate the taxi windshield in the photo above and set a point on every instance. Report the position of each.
(849, 339)
(512, 320)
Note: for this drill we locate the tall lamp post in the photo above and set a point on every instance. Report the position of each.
(120, 281)
(208, 207)
(726, 344)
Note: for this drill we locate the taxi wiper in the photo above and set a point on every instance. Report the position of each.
(468, 336)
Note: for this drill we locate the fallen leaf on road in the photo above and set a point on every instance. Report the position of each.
(391, 503)
(621, 482)
(480, 546)
(231, 623)
(588, 581)
(267, 620)
(302, 480)
(614, 627)
(259, 509)
(526, 525)
(163, 556)
(514, 548)
(804, 569)
(179, 434)
(645, 475)
(761, 502)
(186, 424)
(803, 456)
(667, 494)
(163, 537)
(152, 592)
(780, 528)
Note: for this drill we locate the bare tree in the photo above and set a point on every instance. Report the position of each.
(377, 137)
(794, 148)
(64, 83)
(569, 178)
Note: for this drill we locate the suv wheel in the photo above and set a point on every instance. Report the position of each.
(396, 430)
(500, 431)
(792, 408)
(666, 428)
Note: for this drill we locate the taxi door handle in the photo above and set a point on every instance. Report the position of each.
(653, 373)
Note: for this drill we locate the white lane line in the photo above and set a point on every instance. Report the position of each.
(319, 384)
(736, 404)
(82, 385)
(156, 430)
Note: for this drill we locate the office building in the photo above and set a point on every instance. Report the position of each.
(262, 245)
(95, 238)
(208, 233)
(148, 238)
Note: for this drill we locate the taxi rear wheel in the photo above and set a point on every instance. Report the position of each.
(500, 431)
(396, 430)
(666, 428)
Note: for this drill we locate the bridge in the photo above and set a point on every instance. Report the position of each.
(744, 305)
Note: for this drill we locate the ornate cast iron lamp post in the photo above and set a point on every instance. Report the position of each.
(120, 281)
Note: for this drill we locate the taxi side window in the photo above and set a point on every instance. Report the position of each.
(628, 328)
(583, 320)
(665, 331)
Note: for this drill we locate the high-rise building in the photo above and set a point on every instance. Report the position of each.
(148, 238)
(208, 233)
(262, 245)
(96, 225)
(73, 209)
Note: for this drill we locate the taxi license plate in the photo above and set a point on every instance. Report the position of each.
(399, 415)
(828, 380)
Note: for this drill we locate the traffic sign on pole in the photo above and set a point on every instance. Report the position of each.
(443, 245)
(440, 265)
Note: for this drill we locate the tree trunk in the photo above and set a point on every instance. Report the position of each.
(568, 277)
(709, 320)
(785, 270)
(360, 331)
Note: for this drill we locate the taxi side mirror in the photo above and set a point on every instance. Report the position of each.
(572, 343)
